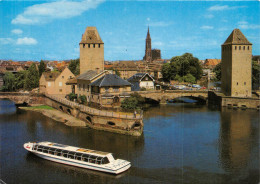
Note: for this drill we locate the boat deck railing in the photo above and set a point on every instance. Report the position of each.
(93, 111)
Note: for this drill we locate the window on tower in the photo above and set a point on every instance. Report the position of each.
(83, 45)
(235, 47)
(88, 45)
(93, 45)
(98, 45)
(244, 48)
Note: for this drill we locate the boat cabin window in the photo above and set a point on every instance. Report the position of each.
(35, 147)
(71, 154)
(99, 160)
(45, 150)
(65, 153)
(105, 160)
(78, 156)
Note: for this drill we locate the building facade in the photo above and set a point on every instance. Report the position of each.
(156, 54)
(141, 81)
(91, 51)
(55, 82)
(236, 67)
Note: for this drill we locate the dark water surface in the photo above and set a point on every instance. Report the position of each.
(182, 143)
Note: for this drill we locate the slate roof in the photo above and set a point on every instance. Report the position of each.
(89, 74)
(110, 80)
(137, 77)
(237, 37)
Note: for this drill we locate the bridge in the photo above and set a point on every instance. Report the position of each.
(21, 98)
(162, 96)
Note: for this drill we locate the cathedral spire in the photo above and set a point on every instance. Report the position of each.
(148, 34)
(148, 47)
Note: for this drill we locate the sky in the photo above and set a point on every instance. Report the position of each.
(52, 30)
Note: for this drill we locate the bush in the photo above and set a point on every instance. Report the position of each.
(135, 101)
(82, 99)
(129, 103)
(72, 96)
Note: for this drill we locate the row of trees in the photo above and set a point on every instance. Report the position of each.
(26, 80)
(183, 68)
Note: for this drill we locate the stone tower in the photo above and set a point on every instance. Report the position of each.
(148, 47)
(236, 65)
(91, 51)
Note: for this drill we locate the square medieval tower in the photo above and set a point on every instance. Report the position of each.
(91, 51)
(236, 67)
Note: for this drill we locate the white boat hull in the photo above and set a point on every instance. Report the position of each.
(103, 168)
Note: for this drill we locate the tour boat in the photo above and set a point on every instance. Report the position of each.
(80, 157)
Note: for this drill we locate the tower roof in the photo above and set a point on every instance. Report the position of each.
(237, 37)
(148, 34)
(91, 36)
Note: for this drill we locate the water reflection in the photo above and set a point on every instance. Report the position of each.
(239, 144)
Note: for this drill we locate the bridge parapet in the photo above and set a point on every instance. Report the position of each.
(93, 111)
(163, 95)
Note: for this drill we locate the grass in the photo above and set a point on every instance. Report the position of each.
(41, 107)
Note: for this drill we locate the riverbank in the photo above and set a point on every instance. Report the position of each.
(56, 115)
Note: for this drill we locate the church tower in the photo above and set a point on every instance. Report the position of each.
(236, 65)
(148, 47)
(91, 51)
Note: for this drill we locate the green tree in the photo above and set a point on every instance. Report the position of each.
(189, 78)
(74, 66)
(169, 71)
(20, 78)
(178, 78)
(32, 78)
(42, 68)
(135, 101)
(255, 75)
(217, 71)
(9, 80)
(181, 66)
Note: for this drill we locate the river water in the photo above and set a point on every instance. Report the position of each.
(182, 143)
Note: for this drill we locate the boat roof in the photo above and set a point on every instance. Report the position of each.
(72, 148)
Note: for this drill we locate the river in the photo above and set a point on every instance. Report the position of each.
(182, 143)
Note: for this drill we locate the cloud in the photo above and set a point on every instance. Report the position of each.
(157, 44)
(26, 41)
(224, 7)
(206, 27)
(246, 25)
(5, 41)
(209, 16)
(47, 12)
(159, 24)
(17, 31)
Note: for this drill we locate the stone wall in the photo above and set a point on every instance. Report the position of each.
(121, 124)
(220, 100)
